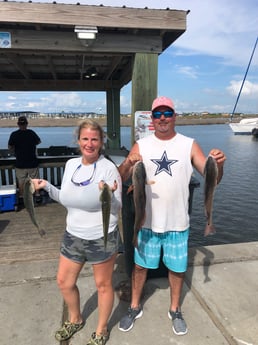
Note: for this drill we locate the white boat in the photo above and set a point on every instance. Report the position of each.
(245, 126)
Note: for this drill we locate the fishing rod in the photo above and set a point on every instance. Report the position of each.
(233, 112)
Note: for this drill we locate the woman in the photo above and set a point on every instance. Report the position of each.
(83, 240)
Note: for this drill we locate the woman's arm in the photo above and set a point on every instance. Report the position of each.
(48, 187)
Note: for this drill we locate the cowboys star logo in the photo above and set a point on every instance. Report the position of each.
(164, 164)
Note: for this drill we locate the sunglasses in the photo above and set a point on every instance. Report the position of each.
(86, 182)
(158, 114)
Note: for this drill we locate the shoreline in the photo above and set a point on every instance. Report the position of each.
(125, 122)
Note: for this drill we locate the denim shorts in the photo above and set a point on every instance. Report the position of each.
(173, 243)
(92, 251)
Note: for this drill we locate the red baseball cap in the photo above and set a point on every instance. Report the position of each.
(162, 101)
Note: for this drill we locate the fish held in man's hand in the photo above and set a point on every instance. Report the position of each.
(139, 197)
(210, 183)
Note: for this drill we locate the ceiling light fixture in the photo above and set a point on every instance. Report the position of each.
(91, 73)
(86, 32)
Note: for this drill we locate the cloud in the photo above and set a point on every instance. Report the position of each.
(9, 106)
(188, 71)
(125, 103)
(204, 65)
(249, 89)
(64, 100)
(32, 105)
(219, 28)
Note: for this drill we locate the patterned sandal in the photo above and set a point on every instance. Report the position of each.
(68, 330)
(98, 339)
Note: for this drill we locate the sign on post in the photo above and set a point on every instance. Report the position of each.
(5, 40)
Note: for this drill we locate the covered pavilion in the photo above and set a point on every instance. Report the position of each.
(63, 47)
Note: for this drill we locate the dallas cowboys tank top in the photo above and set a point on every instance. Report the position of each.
(169, 169)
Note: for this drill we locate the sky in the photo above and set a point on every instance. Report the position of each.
(201, 71)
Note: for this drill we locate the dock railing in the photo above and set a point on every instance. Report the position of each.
(50, 168)
(51, 163)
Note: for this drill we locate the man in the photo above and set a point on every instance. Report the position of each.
(23, 143)
(169, 158)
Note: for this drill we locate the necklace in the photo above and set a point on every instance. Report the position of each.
(86, 182)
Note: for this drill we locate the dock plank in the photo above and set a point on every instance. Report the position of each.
(19, 239)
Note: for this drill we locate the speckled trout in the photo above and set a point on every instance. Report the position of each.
(139, 181)
(105, 199)
(28, 192)
(210, 182)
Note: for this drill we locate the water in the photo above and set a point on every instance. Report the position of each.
(235, 214)
(58, 136)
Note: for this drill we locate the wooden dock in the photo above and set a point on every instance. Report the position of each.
(19, 238)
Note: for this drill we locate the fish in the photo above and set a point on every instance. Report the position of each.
(28, 192)
(105, 199)
(210, 183)
(139, 181)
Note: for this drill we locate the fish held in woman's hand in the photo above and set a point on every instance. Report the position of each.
(105, 199)
(28, 192)
(210, 182)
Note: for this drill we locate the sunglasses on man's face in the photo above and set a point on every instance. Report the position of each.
(158, 114)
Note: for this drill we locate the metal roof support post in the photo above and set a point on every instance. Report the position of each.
(144, 83)
(113, 118)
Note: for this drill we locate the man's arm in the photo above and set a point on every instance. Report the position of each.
(199, 159)
(11, 146)
(126, 167)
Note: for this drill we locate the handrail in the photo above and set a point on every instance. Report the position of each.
(45, 151)
(51, 169)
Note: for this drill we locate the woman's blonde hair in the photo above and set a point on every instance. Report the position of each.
(93, 125)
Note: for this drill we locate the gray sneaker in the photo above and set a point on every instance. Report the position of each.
(127, 322)
(178, 323)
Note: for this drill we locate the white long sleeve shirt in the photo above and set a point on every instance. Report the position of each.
(84, 213)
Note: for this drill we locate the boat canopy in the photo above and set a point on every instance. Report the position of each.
(249, 121)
